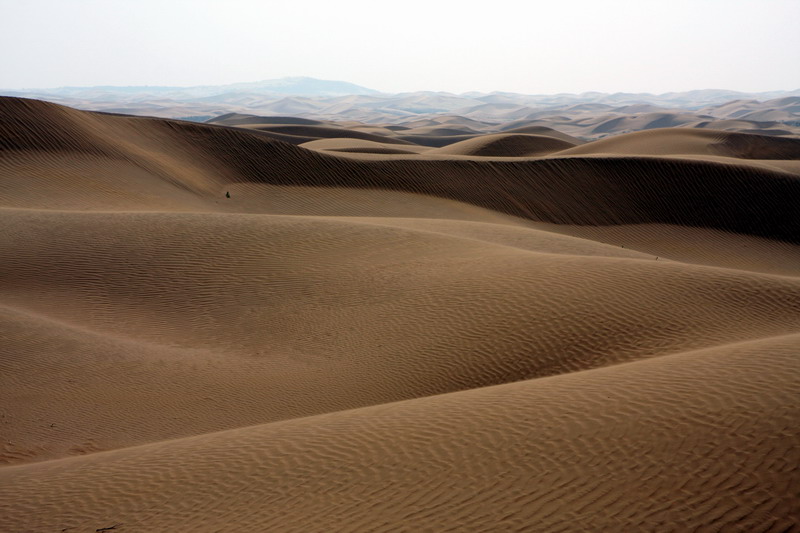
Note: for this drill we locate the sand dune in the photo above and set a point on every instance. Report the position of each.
(361, 146)
(239, 119)
(507, 145)
(559, 454)
(680, 141)
(298, 131)
(206, 329)
(541, 130)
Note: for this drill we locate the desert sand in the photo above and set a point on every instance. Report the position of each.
(290, 325)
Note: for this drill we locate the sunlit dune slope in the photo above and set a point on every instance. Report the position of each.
(696, 441)
(350, 145)
(507, 145)
(326, 314)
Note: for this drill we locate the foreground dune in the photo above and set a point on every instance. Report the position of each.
(205, 329)
(692, 441)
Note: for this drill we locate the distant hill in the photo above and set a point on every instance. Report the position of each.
(296, 86)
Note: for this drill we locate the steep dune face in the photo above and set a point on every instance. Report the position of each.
(234, 332)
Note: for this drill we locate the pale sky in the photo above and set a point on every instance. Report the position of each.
(534, 47)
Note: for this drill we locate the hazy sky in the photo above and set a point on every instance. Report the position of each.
(522, 46)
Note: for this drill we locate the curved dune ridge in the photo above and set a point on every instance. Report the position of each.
(507, 145)
(360, 146)
(207, 329)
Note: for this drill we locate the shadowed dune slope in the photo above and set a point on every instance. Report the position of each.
(206, 329)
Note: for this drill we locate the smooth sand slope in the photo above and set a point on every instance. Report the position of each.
(382, 341)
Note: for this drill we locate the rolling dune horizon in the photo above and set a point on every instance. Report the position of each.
(271, 323)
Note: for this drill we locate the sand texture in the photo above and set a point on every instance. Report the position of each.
(289, 325)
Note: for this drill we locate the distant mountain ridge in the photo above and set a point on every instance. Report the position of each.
(300, 86)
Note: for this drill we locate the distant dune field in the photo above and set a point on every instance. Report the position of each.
(432, 118)
(278, 324)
